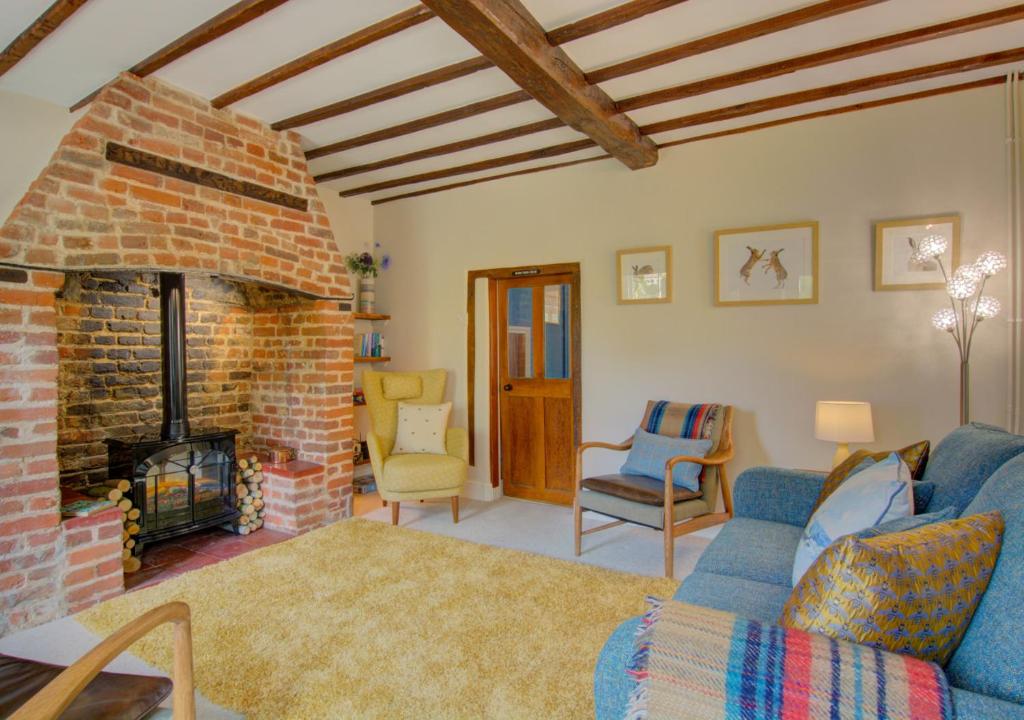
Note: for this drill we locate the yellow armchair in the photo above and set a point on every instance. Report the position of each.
(414, 476)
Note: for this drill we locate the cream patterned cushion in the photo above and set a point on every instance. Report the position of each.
(421, 428)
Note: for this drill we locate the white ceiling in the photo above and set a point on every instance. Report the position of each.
(106, 36)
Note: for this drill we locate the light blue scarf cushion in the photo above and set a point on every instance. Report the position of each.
(875, 495)
(650, 452)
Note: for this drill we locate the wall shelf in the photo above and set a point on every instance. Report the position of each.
(364, 359)
(370, 316)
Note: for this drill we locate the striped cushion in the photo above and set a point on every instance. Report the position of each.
(695, 663)
(696, 422)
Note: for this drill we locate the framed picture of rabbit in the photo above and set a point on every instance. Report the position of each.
(767, 265)
(645, 275)
(897, 266)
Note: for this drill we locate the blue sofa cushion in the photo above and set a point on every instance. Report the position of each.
(749, 598)
(785, 496)
(972, 706)
(964, 460)
(989, 659)
(753, 549)
(612, 684)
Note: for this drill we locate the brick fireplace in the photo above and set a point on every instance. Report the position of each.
(231, 204)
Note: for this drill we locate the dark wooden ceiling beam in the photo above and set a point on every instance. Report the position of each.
(350, 43)
(733, 36)
(489, 164)
(219, 25)
(38, 31)
(612, 17)
(722, 82)
(875, 82)
(825, 57)
(510, 37)
(626, 12)
(945, 90)
(736, 35)
(387, 92)
(453, 147)
(489, 178)
(424, 123)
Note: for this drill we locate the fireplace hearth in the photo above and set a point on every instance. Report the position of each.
(182, 481)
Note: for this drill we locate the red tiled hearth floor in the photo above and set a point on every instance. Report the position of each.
(170, 558)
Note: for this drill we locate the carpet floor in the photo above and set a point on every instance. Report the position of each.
(364, 620)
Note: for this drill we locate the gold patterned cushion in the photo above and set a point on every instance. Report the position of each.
(915, 456)
(910, 592)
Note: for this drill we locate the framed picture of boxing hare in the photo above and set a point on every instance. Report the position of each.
(645, 275)
(767, 265)
(897, 265)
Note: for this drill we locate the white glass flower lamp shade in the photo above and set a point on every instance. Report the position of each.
(964, 283)
(987, 307)
(944, 319)
(843, 422)
(990, 262)
(932, 246)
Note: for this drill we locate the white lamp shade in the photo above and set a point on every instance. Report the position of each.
(843, 421)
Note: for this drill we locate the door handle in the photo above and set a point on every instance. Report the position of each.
(507, 387)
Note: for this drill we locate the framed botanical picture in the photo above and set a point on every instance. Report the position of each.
(896, 241)
(767, 265)
(645, 275)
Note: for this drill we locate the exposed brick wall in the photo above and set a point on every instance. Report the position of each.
(85, 213)
(302, 398)
(30, 534)
(109, 340)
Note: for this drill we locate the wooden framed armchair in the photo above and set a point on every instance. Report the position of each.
(113, 695)
(414, 476)
(655, 503)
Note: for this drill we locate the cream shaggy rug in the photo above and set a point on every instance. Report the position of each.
(365, 620)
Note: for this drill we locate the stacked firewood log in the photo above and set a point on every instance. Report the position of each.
(249, 496)
(116, 491)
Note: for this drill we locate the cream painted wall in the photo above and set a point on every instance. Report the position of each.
(939, 155)
(29, 132)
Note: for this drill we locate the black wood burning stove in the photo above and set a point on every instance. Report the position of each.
(182, 480)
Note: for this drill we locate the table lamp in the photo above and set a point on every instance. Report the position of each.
(843, 422)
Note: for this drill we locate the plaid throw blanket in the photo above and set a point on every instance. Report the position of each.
(694, 663)
(678, 420)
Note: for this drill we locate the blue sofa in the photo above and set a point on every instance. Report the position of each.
(747, 568)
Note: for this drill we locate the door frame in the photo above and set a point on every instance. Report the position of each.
(575, 334)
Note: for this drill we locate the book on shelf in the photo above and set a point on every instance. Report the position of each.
(369, 344)
(84, 507)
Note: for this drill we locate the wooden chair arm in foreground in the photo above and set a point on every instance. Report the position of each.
(53, 699)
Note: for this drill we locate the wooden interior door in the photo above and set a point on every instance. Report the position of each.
(535, 386)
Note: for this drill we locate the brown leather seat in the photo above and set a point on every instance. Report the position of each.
(638, 488)
(110, 696)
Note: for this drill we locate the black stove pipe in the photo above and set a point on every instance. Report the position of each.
(172, 355)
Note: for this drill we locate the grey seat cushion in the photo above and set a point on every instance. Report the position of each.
(753, 549)
(748, 598)
(638, 488)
